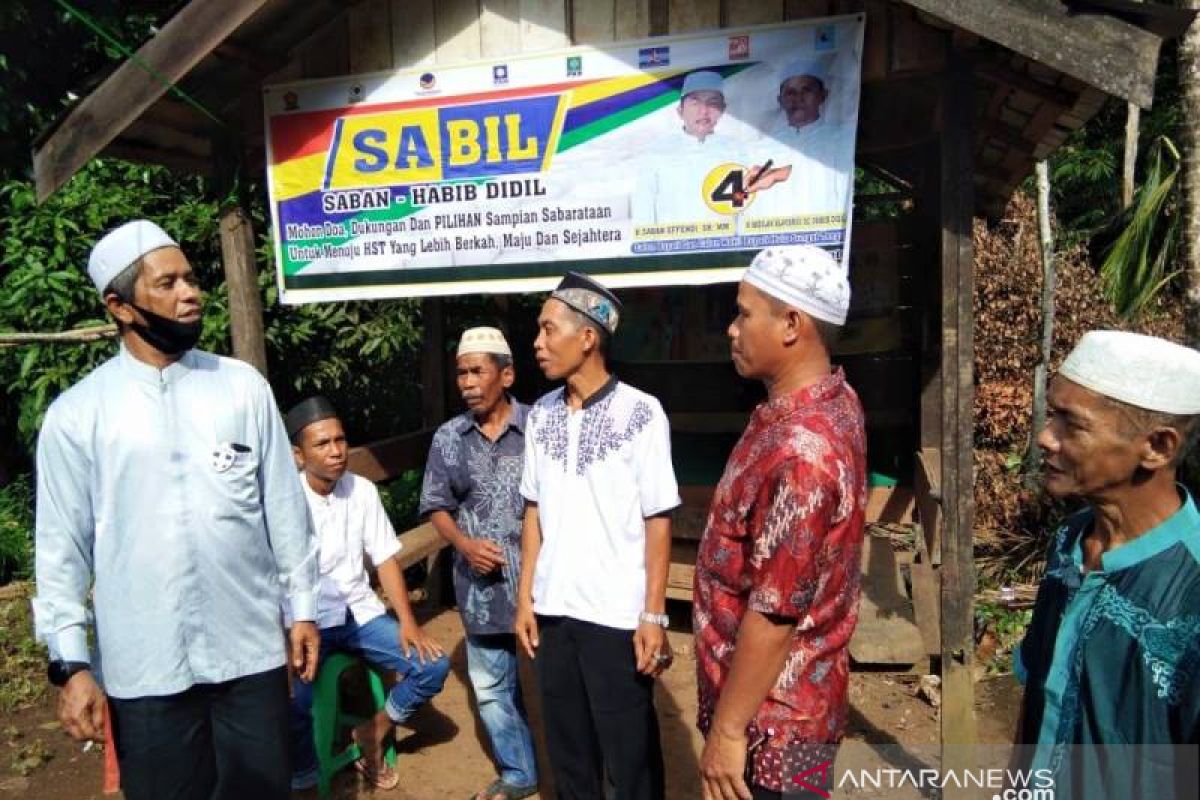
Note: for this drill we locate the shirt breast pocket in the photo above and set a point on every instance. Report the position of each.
(234, 470)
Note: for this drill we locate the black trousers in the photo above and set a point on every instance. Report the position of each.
(598, 711)
(222, 741)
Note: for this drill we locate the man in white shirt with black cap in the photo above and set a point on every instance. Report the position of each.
(351, 522)
(1111, 658)
(166, 495)
(591, 604)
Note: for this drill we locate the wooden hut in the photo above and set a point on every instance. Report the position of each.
(959, 98)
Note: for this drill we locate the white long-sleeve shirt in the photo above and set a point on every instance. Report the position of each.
(171, 496)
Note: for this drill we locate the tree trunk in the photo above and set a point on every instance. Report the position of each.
(1129, 171)
(1033, 458)
(1189, 142)
(241, 277)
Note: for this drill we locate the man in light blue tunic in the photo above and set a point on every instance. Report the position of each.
(167, 496)
(1111, 660)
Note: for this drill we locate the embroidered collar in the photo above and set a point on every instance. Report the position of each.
(783, 407)
(517, 415)
(595, 397)
(1180, 527)
(148, 373)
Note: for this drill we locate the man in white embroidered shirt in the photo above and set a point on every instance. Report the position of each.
(165, 489)
(350, 521)
(599, 486)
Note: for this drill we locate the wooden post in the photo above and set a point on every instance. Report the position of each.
(241, 276)
(433, 360)
(958, 503)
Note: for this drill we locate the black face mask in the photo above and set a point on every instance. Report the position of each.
(167, 336)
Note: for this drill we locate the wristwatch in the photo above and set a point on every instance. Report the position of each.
(654, 619)
(59, 672)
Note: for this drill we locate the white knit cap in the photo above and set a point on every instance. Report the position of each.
(805, 277)
(484, 340)
(1143, 371)
(121, 247)
(813, 66)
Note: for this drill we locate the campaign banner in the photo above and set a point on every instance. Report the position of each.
(658, 162)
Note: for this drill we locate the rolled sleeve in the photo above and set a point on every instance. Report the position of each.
(437, 491)
(658, 490)
(286, 514)
(798, 512)
(64, 533)
(529, 472)
(379, 537)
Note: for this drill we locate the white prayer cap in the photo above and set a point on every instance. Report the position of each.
(805, 277)
(121, 247)
(1143, 371)
(702, 81)
(814, 66)
(484, 340)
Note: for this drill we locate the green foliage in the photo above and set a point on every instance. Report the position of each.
(401, 498)
(16, 530)
(1008, 625)
(1135, 267)
(44, 285)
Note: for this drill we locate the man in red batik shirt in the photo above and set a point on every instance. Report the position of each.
(777, 577)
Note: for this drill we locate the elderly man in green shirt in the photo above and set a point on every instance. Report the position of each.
(1110, 661)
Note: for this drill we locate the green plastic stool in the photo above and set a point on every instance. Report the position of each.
(328, 719)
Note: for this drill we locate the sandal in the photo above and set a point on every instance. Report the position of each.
(506, 791)
(385, 778)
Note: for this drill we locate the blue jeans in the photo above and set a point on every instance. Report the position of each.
(492, 665)
(378, 641)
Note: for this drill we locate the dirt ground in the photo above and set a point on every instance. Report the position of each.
(443, 755)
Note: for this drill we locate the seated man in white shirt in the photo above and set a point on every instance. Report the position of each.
(350, 520)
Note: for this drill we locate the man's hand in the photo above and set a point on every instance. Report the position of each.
(526, 627)
(305, 644)
(484, 556)
(412, 637)
(82, 707)
(650, 642)
(723, 767)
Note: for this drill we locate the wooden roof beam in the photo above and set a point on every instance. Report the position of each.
(100, 117)
(1005, 75)
(1100, 51)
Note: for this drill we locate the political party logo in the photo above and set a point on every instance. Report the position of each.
(654, 57)
(826, 37)
(290, 101)
(356, 93)
(724, 189)
(427, 80)
(223, 457)
(574, 66)
(739, 47)
(500, 74)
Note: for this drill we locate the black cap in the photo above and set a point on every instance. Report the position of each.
(589, 298)
(306, 412)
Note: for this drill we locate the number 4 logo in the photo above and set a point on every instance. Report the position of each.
(724, 189)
